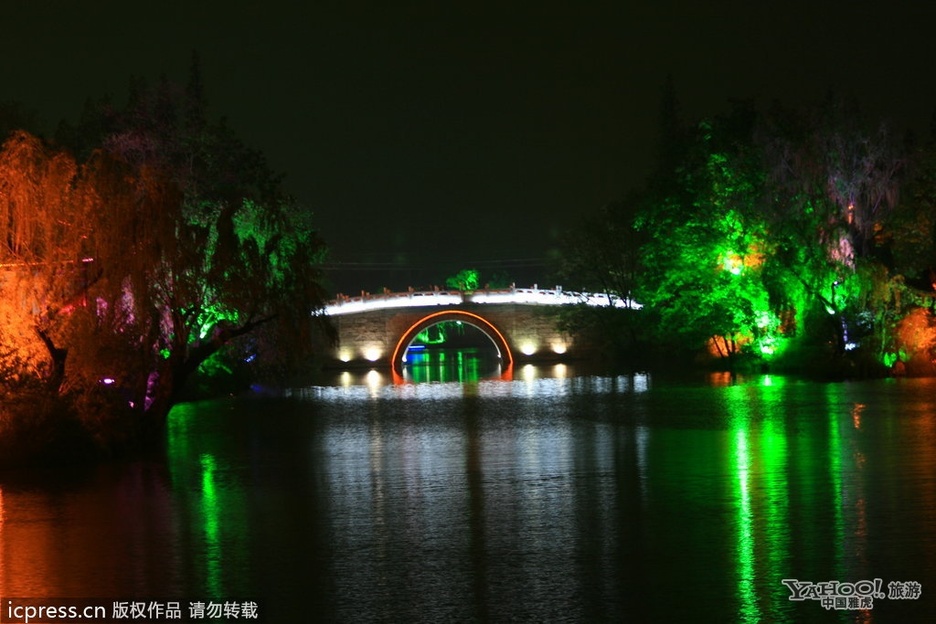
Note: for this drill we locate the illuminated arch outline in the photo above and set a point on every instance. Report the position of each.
(484, 325)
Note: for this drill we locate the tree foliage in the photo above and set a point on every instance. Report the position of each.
(166, 243)
(763, 231)
(605, 255)
(465, 279)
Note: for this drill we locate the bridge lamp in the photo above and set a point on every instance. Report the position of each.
(372, 354)
(527, 348)
(559, 348)
(344, 355)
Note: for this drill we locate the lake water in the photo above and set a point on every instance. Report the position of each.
(554, 497)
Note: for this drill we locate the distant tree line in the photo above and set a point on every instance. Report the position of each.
(139, 245)
(796, 239)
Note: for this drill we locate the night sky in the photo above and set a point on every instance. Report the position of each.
(441, 135)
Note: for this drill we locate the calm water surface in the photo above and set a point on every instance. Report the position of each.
(552, 497)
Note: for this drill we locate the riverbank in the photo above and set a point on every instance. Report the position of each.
(39, 429)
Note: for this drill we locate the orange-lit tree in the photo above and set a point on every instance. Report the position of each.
(43, 231)
(170, 241)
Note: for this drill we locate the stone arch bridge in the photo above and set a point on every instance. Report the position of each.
(376, 330)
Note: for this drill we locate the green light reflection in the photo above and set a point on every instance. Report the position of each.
(214, 502)
(762, 516)
(834, 396)
(746, 575)
(211, 511)
(776, 504)
(443, 365)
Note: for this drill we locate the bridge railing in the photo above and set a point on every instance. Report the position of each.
(531, 296)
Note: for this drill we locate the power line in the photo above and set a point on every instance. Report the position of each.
(395, 266)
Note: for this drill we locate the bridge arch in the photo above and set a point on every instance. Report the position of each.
(475, 320)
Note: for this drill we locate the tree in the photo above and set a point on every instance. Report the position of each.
(707, 242)
(466, 279)
(604, 255)
(908, 234)
(223, 252)
(759, 232)
(167, 244)
(43, 226)
(835, 185)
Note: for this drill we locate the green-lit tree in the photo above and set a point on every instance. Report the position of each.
(834, 185)
(782, 236)
(223, 252)
(466, 279)
(707, 244)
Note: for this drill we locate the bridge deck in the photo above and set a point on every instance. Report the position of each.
(529, 296)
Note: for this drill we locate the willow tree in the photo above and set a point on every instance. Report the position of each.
(43, 228)
(185, 278)
(201, 246)
(170, 242)
(835, 186)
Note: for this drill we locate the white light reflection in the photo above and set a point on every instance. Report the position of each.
(641, 382)
(602, 385)
(374, 382)
(642, 435)
(557, 381)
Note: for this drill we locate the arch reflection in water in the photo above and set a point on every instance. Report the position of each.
(467, 364)
(453, 349)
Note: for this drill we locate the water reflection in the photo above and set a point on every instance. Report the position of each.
(529, 380)
(214, 514)
(591, 497)
(467, 364)
(761, 493)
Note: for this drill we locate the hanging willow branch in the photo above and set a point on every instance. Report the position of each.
(38, 218)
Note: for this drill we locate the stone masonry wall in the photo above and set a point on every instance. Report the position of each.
(370, 337)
